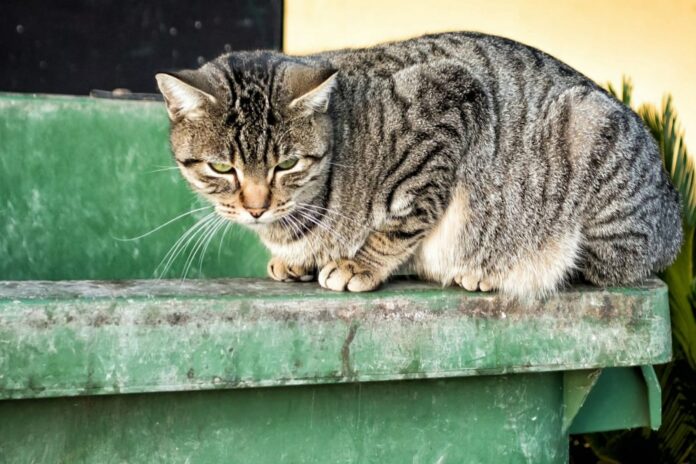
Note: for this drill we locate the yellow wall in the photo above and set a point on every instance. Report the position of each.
(654, 42)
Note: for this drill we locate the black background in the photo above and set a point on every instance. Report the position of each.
(72, 47)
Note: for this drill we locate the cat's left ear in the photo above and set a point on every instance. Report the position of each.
(184, 94)
(311, 88)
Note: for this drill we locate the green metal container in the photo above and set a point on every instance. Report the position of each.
(102, 362)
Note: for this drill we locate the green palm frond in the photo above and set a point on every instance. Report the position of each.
(665, 127)
(677, 436)
(626, 91)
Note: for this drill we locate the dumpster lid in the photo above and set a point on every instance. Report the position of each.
(96, 337)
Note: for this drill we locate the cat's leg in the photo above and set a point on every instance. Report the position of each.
(281, 271)
(415, 188)
(386, 249)
(379, 257)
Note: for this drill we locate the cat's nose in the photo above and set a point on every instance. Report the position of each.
(256, 212)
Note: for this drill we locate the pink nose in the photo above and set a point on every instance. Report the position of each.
(256, 212)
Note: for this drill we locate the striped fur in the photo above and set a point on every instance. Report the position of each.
(474, 159)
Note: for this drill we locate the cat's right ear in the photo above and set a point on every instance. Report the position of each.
(183, 96)
(310, 88)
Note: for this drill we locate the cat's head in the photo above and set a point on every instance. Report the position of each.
(251, 132)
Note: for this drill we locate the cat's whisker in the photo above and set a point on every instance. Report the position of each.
(337, 164)
(173, 250)
(200, 243)
(220, 224)
(161, 226)
(306, 213)
(337, 213)
(217, 225)
(194, 249)
(327, 228)
(308, 238)
(170, 168)
(181, 244)
(222, 239)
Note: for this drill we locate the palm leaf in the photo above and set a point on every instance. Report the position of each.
(665, 127)
(677, 436)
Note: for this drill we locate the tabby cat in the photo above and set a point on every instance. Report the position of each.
(476, 160)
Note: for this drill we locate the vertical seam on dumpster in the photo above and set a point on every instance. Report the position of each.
(347, 370)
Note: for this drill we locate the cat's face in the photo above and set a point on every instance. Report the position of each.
(253, 141)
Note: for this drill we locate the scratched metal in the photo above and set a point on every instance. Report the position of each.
(76, 338)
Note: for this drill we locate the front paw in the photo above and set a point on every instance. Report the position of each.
(472, 282)
(347, 274)
(281, 271)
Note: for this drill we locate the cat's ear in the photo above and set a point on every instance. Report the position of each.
(310, 88)
(184, 94)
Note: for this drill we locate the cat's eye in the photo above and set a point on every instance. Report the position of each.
(222, 168)
(287, 164)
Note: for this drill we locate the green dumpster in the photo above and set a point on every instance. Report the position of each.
(102, 362)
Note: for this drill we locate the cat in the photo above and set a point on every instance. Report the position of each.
(475, 160)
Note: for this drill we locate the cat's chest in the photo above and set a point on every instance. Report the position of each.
(308, 251)
(439, 254)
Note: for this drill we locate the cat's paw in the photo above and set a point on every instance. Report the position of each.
(471, 282)
(347, 274)
(280, 270)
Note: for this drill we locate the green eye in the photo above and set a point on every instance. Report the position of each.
(222, 168)
(287, 164)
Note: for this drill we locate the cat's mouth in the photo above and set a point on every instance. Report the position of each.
(288, 214)
(250, 218)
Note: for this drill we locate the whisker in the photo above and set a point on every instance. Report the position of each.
(192, 251)
(161, 226)
(220, 224)
(338, 164)
(185, 238)
(323, 226)
(170, 168)
(182, 244)
(222, 239)
(307, 206)
(308, 237)
(200, 242)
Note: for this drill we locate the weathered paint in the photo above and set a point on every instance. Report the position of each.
(577, 385)
(79, 173)
(483, 419)
(654, 393)
(620, 399)
(74, 338)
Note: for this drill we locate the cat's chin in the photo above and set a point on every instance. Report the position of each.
(258, 223)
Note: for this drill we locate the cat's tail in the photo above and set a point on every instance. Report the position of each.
(669, 230)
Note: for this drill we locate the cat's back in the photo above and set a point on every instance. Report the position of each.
(486, 56)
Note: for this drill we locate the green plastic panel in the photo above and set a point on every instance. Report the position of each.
(78, 173)
(73, 338)
(620, 399)
(487, 419)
